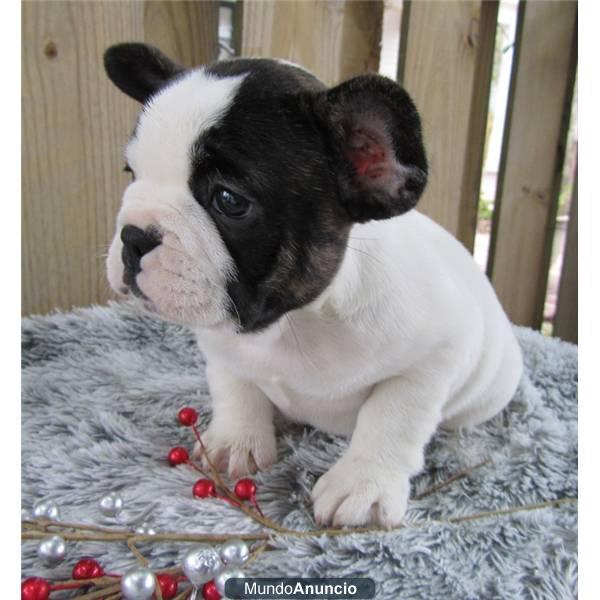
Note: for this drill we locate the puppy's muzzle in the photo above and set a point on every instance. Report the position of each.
(136, 243)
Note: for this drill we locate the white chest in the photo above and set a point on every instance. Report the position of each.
(314, 370)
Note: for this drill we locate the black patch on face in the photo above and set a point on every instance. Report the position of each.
(269, 149)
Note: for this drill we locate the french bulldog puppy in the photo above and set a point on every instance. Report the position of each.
(275, 217)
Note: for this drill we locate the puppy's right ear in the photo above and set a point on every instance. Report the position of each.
(376, 146)
(139, 70)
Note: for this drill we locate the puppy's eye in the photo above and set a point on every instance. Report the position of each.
(231, 205)
(128, 169)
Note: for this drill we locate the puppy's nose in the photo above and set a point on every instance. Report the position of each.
(136, 243)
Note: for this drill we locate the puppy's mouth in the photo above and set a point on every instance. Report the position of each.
(131, 288)
(136, 296)
(172, 296)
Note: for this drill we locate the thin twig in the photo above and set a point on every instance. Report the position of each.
(256, 553)
(511, 510)
(200, 538)
(101, 593)
(139, 556)
(83, 582)
(45, 523)
(260, 536)
(446, 482)
(157, 591)
(194, 466)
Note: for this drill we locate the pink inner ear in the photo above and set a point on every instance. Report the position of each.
(367, 154)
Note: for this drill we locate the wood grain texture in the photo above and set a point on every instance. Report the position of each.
(566, 319)
(186, 30)
(75, 124)
(532, 157)
(335, 39)
(445, 65)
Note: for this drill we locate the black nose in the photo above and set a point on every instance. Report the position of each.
(136, 243)
(139, 242)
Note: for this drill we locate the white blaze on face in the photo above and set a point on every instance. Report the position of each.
(185, 277)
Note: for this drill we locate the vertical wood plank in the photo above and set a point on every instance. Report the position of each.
(532, 157)
(73, 124)
(335, 39)
(445, 65)
(566, 320)
(475, 145)
(185, 30)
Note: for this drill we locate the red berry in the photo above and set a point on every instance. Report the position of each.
(187, 416)
(35, 588)
(178, 456)
(203, 488)
(210, 591)
(245, 489)
(168, 586)
(97, 571)
(87, 568)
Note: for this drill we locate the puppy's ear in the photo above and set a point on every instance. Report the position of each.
(374, 131)
(139, 70)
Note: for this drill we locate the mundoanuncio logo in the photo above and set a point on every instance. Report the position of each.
(263, 588)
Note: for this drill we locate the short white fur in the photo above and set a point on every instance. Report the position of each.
(408, 337)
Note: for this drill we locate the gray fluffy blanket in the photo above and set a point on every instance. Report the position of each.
(101, 389)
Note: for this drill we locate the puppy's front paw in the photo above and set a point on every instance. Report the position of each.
(238, 452)
(357, 491)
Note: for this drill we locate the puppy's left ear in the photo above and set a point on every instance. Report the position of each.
(374, 132)
(138, 69)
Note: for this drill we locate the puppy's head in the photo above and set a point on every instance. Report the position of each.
(247, 176)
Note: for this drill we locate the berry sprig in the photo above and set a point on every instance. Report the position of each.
(244, 490)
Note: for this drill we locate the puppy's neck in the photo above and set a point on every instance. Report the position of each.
(351, 288)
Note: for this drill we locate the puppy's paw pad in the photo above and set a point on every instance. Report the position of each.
(359, 492)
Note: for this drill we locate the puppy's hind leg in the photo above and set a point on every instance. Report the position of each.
(487, 393)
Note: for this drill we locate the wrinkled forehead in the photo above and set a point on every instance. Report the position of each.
(173, 120)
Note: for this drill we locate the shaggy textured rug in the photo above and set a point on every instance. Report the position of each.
(101, 389)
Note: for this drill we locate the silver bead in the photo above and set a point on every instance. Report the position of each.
(52, 550)
(46, 509)
(138, 584)
(145, 529)
(223, 576)
(26, 515)
(200, 565)
(111, 504)
(234, 553)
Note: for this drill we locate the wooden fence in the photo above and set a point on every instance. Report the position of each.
(75, 123)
